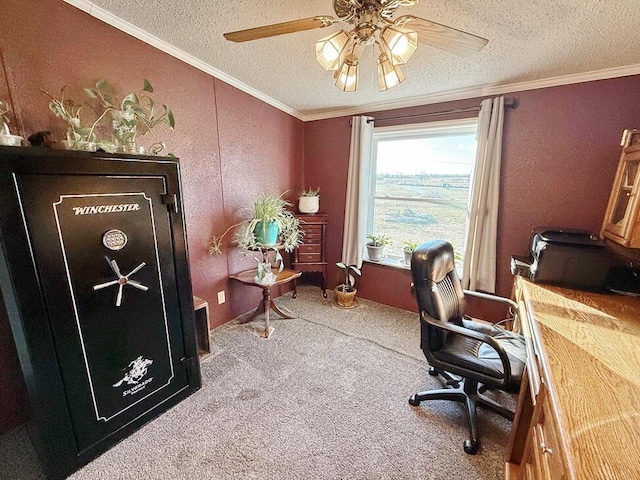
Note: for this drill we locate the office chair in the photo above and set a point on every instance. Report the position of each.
(485, 356)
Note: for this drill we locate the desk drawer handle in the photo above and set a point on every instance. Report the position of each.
(545, 449)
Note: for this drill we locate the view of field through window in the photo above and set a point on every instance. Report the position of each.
(422, 187)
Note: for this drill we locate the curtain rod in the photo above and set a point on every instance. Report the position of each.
(513, 103)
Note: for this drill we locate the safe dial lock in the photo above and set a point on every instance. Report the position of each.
(121, 281)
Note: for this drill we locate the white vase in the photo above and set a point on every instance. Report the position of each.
(407, 256)
(375, 253)
(309, 204)
(10, 140)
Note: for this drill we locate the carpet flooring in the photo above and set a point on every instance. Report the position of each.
(325, 397)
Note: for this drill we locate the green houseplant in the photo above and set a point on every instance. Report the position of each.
(408, 247)
(309, 200)
(135, 115)
(269, 224)
(375, 246)
(346, 291)
(81, 133)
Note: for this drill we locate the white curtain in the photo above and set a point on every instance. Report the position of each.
(358, 190)
(479, 271)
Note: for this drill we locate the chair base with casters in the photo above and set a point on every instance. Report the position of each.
(484, 356)
(469, 394)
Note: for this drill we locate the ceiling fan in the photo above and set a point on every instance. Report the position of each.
(396, 39)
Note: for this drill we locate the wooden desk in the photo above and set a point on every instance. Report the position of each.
(247, 277)
(578, 413)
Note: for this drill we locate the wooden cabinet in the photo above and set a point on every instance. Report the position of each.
(311, 255)
(622, 218)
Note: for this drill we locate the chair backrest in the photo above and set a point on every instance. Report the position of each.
(438, 289)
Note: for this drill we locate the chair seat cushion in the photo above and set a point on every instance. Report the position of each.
(481, 359)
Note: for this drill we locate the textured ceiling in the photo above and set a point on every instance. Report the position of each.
(532, 43)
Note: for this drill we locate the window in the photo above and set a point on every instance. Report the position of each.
(420, 183)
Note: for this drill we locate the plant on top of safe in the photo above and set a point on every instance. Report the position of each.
(4, 109)
(5, 134)
(82, 134)
(135, 114)
(269, 224)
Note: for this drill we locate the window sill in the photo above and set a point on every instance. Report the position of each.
(393, 262)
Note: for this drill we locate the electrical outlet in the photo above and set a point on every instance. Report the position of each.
(221, 298)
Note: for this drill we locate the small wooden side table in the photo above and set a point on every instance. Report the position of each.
(247, 277)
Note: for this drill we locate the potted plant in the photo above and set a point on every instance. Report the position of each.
(269, 224)
(408, 248)
(375, 246)
(5, 135)
(309, 201)
(81, 135)
(346, 291)
(135, 115)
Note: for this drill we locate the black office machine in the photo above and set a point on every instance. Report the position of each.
(566, 257)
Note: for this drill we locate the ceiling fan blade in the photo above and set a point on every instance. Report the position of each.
(279, 29)
(440, 36)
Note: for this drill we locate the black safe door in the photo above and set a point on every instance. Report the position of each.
(104, 256)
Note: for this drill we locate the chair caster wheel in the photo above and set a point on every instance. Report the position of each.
(471, 447)
(433, 372)
(414, 401)
(324, 294)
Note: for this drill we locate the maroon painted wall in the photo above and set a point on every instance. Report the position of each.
(231, 146)
(560, 153)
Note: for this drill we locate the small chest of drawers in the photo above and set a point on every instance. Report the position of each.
(311, 255)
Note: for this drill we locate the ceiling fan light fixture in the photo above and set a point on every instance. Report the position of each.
(389, 75)
(347, 78)
(399, 43)
(330, 50)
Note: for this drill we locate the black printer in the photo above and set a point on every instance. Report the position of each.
(566, 257)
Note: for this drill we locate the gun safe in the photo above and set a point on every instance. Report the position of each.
(95, 279)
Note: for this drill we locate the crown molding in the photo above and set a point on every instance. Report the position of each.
(442, 97)
(109, 18)
(477, 92)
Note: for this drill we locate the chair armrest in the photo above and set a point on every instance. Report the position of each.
(498, 299)
(482, 337)
(493, 298)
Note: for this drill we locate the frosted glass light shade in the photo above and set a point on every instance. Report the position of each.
(389, 75)
(399, 43)
(330, 50)
(347, 80)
